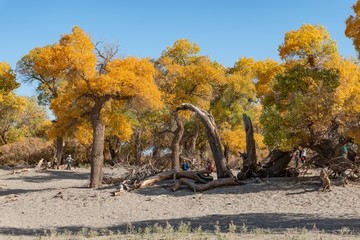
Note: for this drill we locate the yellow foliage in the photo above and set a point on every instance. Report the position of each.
(265, 72)
(310, 43)
(184, 76)
(85, 92)
(352, 27)
(7, 79)
(235, 139)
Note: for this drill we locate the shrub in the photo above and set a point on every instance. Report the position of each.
(28, 151)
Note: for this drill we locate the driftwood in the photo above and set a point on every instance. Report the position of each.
(194, 175)
(126, 184)
(39, 167)
(133, 176)
(207, 186)
(21, 170)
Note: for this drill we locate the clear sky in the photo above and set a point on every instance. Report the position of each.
(225, 30)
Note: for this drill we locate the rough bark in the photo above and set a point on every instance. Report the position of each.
(274, 165)
(213, 137)
(189, 142)
(170, 175)
(97, 154)
(178, 133)
(249, 163)
(207, 186)
(114, 148)
(59, 143)
(327, 149)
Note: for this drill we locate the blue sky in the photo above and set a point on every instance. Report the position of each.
(225, 30)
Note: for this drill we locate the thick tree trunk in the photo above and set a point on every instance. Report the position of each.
(249, 163)
(190, 143)
(97, 154)
(114, 148)
(274, 165)
(138, 150)
(178, 134)
(213, 137)
(59, 143)
(327, 149)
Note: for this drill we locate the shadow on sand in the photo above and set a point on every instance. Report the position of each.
(276, 223)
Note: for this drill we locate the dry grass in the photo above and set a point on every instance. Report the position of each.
(185, 231)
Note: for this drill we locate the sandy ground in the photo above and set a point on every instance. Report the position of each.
(55, 200)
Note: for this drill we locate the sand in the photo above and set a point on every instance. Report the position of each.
(34, 202)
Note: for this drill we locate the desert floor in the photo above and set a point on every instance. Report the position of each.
(32, 203)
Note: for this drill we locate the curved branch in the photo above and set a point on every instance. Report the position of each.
(213, 137)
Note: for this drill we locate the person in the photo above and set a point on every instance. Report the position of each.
(185, 166)
(303, 156)
(209, 167)
(297, 154)
(68, 162)
(344, 151)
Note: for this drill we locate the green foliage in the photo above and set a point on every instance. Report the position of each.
(300, 106)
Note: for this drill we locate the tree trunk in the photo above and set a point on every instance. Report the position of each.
(327, 149)
(114, 148)
(178, 133)
(138, 150)
(227, 153)
(191, 144)
(274, 165)
(213, 137)
(249, 163)
(210, 185)
(170, 175)
(97, 154)
(59, 143)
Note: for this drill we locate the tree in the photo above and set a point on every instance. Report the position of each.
(45, 67)
(7, 79)
(303, 107)
(92, 88)
(21, 117)
(185, 76)
(353, 27)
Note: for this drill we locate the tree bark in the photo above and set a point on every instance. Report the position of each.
(178, 134)
(249, 163)
(207, 186)
(213, 137)
(97, 154)
(169, 175)
(274, 165)
(114, 148)
(59, 143)
(190, 142)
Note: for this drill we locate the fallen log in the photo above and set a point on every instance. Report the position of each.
(195, 175)
(21, 170)
(207, 186)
